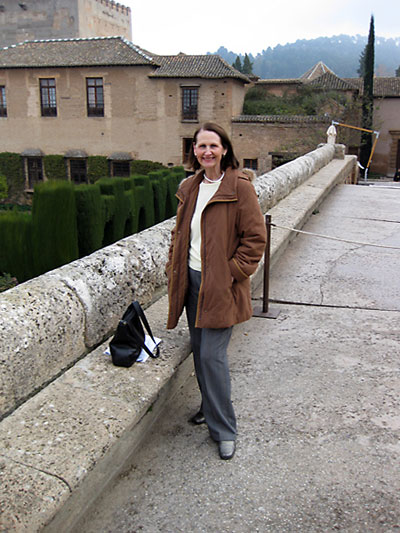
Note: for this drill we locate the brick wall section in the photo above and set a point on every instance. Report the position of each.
(255, 140)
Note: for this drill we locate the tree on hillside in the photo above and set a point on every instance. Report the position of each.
(368, 95)
(237, 64)
(397, 73)
(247, 65)
(361, 66)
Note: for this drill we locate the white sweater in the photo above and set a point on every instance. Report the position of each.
(206, 192)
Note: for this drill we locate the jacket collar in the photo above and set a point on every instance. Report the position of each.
(226, 191)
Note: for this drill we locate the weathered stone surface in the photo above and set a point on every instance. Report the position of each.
(41, 335)
(72, 425)
(278, 183)
(27, 496)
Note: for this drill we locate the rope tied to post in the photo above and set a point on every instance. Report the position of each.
(360, 243)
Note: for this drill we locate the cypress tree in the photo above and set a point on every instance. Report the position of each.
(368, 95)
(247, 65)
(238, 64)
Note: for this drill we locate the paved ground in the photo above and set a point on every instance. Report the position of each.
(316, 393)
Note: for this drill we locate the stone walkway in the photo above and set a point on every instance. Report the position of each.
(317, 395)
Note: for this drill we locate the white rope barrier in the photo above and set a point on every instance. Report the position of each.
(336, 238)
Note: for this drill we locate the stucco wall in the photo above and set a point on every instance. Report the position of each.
(386, 119)
(142, 114)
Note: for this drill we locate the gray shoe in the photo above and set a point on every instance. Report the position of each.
(226, 449)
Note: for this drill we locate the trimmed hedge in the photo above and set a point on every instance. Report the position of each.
(11, 167)
(3, 187)
(144, 202)
(158, 180)
(176, 175)
(16, 244)
(115, 225)
(54, 167)
(97, 167)
(143, 166)
(55, 235)
(69, 221)
(90, 218)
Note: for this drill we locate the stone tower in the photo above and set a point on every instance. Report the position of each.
(22, 20)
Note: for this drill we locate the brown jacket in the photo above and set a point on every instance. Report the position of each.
(233, 242)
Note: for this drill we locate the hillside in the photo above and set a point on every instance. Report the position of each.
(341, 53)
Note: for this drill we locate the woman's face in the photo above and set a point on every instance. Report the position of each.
(208, 150)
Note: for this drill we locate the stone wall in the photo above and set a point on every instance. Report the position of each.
(60, 19)
(142, 115)
(52, 321)
(259, 138)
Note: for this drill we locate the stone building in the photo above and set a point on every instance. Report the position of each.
(62, 19)
(386, 158)
(106, 96)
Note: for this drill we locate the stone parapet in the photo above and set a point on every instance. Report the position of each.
(63, 445)
(54, 320)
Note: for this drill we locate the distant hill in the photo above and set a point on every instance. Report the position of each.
(341, 53)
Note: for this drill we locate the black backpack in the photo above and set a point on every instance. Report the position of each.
(128, 341)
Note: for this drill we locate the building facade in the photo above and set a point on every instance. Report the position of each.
(62, 19)
(106, 96)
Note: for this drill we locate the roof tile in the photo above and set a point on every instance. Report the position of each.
(74, 52)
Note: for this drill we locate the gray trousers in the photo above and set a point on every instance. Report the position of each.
(212, 371)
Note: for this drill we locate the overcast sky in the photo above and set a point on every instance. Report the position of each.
(198, 27)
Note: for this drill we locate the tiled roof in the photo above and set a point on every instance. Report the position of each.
(333, 82)
(286, 119)
(279, 81)
(113, 51)
(74, 52)
(383, 87)
(316, 71)
(188, 66)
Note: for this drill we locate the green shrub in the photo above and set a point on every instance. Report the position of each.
(3, 187)
(55, 236)
(15, 207)
(16, 244)
(54, 167)
(11, 166)
(144, 202)
(158, 180)
(7, 282)
(115, 224)
(97, 167)
(143, 167)
(90, 218)
(177, 174)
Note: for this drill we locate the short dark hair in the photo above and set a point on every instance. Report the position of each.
(228, 160)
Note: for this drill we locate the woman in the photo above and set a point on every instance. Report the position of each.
(217, 242)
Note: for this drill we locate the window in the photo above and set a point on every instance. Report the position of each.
(48, 101)
(95, 97)
(186, 145)
(120, 168)
(250, 163)
(190, 97)
(35, 171)
(78, 172)
(3, 101)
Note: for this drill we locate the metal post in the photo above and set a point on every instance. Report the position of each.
(264, 311)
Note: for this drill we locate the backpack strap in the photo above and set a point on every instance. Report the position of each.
(142, 316)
